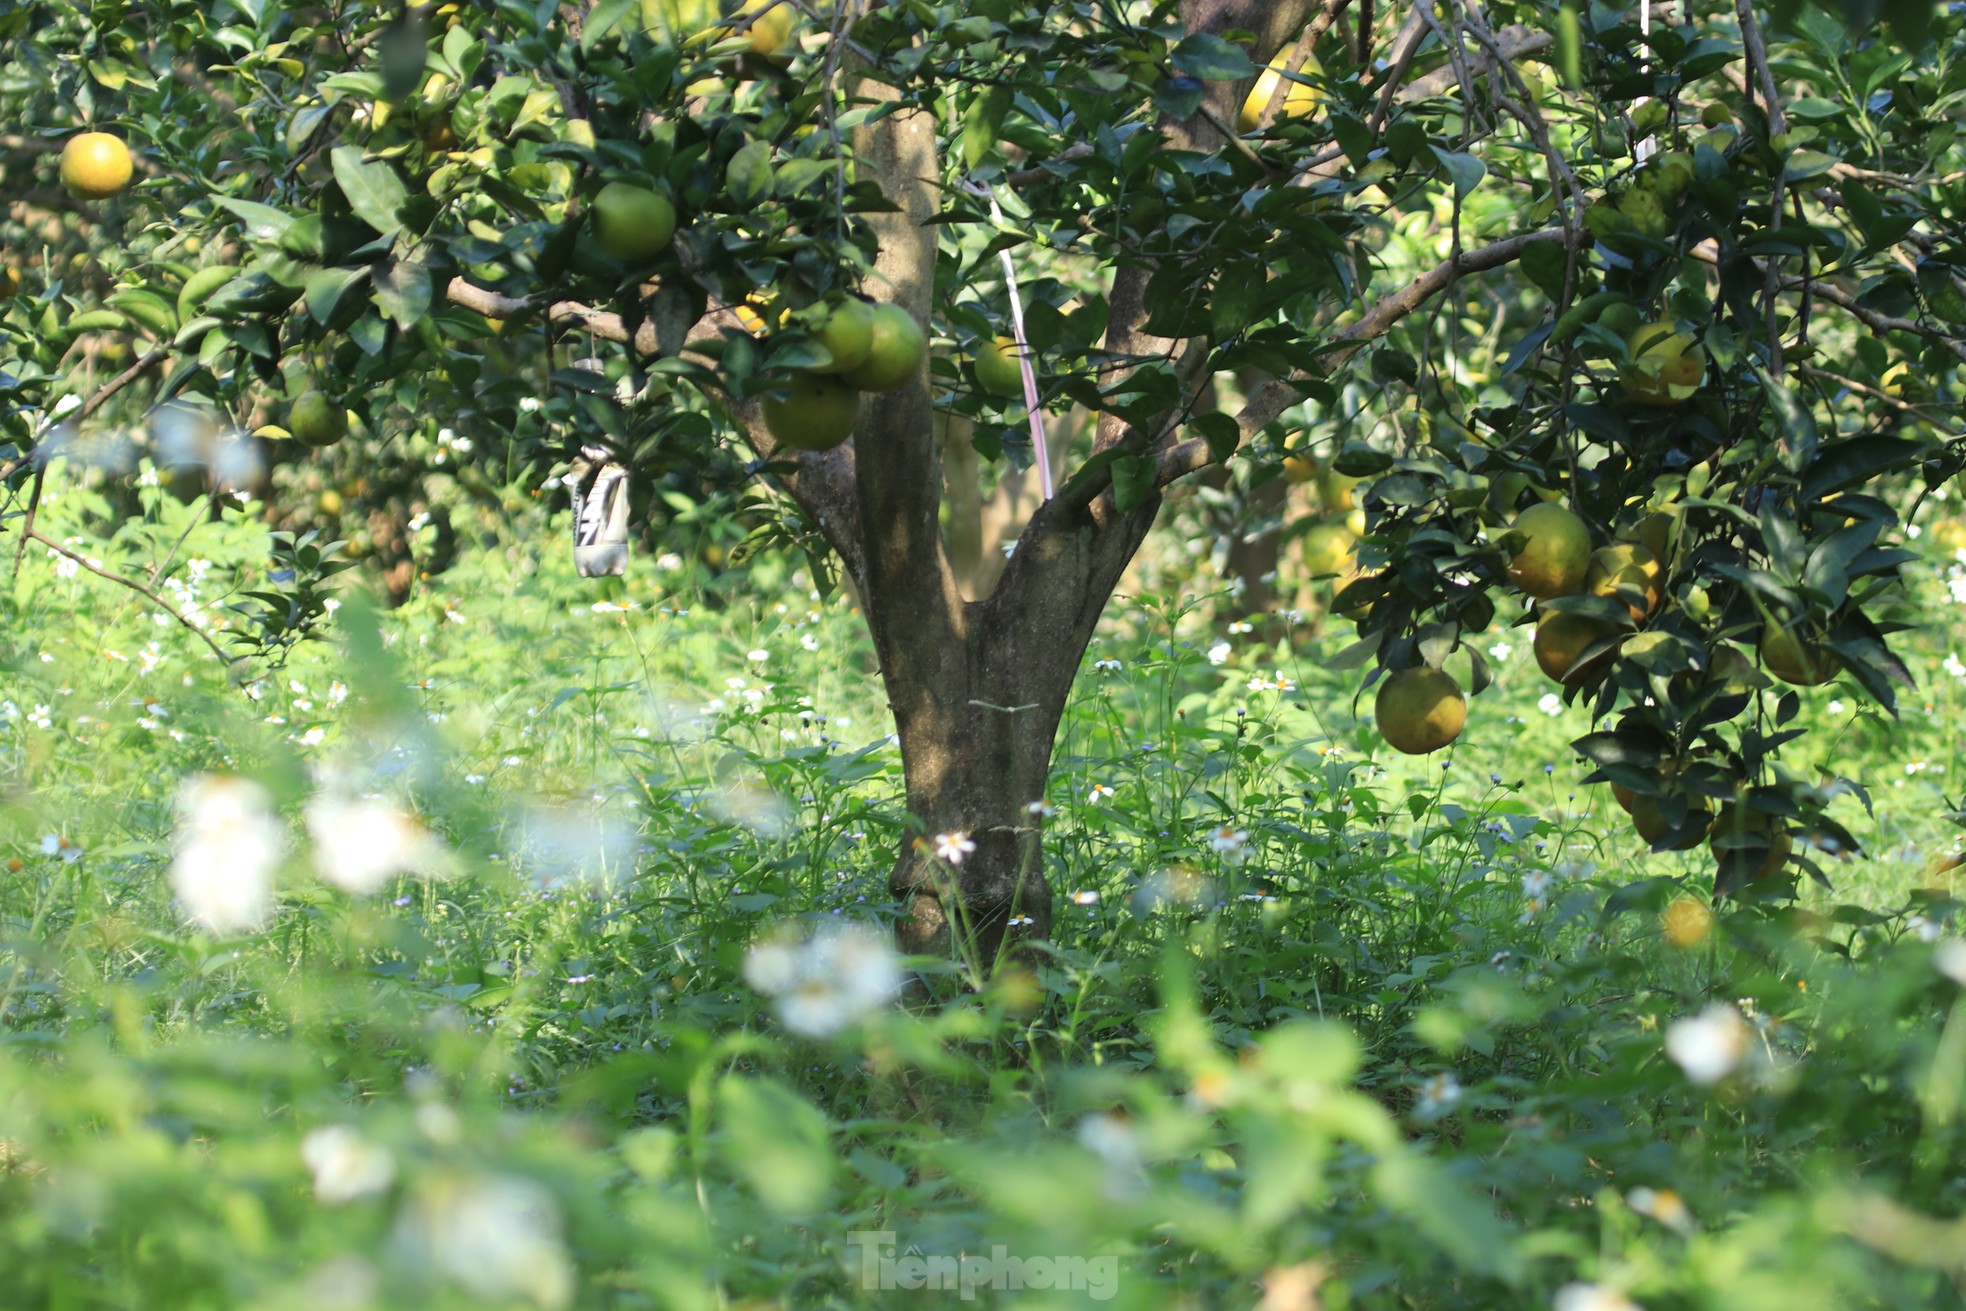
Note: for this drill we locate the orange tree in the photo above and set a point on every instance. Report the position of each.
(1724, 244)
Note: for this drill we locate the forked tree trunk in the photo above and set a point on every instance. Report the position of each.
(978, 687)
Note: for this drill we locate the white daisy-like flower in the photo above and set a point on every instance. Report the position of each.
(498, 1238)
(1100, 792)
(53, 844)
(1924, 928)
(952, 847)
(1536, 884)
(1550, 704)
(1591, 1297)
(347, 1167)
(362, 843)
(1438, 1096)
(1219, 653)
(1708, 1046)
(229, 842)
(824, 983)
(1040, 809)
(1230, 843)
(1090, 897)
(1107, 666)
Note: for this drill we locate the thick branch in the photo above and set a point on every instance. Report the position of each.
(1278, 395)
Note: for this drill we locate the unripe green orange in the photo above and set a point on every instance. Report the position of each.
(847, 333)
(896, 355)
(316, 421)
(632, 223)
(817, 413)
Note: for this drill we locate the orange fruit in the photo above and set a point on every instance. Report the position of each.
(1556, 551)
(1420, 710)
(316, 421)
(817, 413)
(1561, 641)
(632, 223)
(1795, 658)
(1626, 571)
(95, 165)
(896, 356)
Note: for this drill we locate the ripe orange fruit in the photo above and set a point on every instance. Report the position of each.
(1556, 552)
(1335, 490)
(1561, 641)
(1299, 102)
(1794, 658)
(95, 165)
(1626, 571)
(9, 282)
(1687, 921)
(1738, 832)
(1650, 821)
(817, 413)
(896, 355)
(316, 421)
(1300, 466)
(632, 223)
(1420, 710)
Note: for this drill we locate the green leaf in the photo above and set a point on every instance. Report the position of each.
(262, 222)
(1857, 460)
(373, 190)
(1465, 170)
(777, 1142)
(1211, 59)
(747, 180)
(602, 19)
(1807, 164)
(403, 292)
(325, 289)
(983, 123)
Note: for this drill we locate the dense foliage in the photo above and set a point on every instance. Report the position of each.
(1602, 363)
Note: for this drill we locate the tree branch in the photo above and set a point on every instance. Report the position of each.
(1278, 395)
(33, 535)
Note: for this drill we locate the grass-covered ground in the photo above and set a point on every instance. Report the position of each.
(1320, 1027)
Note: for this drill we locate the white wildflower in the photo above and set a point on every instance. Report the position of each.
(229, 842)
(1708, 1046)
(346, 1166)
(824, 983)
(361, 844)
(952, 847)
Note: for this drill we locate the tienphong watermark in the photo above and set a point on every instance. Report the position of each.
(968, 1273)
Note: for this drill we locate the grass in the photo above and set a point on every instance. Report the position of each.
(1391, 1029)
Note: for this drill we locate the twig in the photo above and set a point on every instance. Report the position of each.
(1300, 52)
(33, 535)
(1278, 395)
(1757, 52)
(1844, 301)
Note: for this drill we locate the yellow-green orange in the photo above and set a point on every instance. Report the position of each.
(897, 352)
(1556, 552)
(1300, 466)
(632, 223)
(1666, 366)
(1650, 821)
(847, 333)
(1794, 659)
(1626, 571)
(770, 33)
(9, 282)
(997, 369)
(1328, 549)
(1562, 640)
(1298, 102)
(316, 421)
(1335, 490)
(817, 412)
(1420, 710)
(95, 165)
